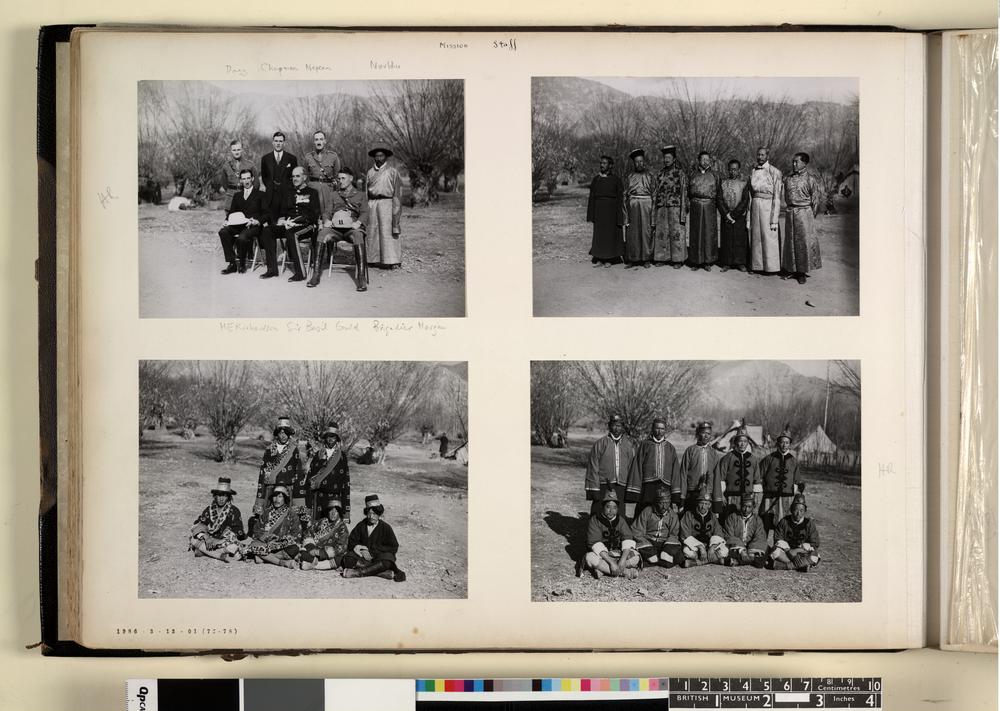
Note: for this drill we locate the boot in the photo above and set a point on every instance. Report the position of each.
(361, 266)
(318, 268)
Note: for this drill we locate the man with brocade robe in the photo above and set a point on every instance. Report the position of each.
(803, 196)
(217, 531)
(670, 208)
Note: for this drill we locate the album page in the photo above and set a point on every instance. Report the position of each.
(495, 340)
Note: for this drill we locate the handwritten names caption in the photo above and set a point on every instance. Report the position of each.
(381, 328)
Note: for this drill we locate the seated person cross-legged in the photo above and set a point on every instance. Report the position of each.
(656, 531)
(244, 219)
(346, 221)
(796, 540)
(610, 542)
(700, 533)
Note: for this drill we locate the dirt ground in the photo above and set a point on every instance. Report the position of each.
(426, 503)
(559, 514)
(180, 258)
(567, 284)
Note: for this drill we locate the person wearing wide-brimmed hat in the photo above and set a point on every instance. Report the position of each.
(796, 540)
(698, 464)
(657, 532)
(637, 206)
(701, 533)
(738, 471)
(745, 535)
(219, 527)
(329, 476)
(385, 207)
(670, 208)
(372, 546)
(611, 548)
(780, 480)
(275, 534)
(324, 541)
(656, 464)
(610, 465)
(281, 465)
(604, 211)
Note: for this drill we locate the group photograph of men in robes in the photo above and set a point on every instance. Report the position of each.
(303, 479)
(301, 198)
(704, 481)
(695, 197)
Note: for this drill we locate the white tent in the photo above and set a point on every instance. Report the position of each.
(756, 433)
(817, 441)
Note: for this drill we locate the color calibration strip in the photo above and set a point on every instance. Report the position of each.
(541, 685)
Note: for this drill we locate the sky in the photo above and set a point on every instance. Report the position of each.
(795, 89)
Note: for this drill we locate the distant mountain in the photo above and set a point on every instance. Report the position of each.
(729, 381)
(571, 96)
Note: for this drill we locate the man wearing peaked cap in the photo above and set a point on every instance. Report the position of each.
(638, 211)
(282, 464)
(329, 476)
(796, 540)
(738, 472)
(657, 531)
(219, 527)
(656, 464)
(700, 532)
(372, 546)
(780, 479)
(745, 535)
(698, 464)
(670, 209)
(610, 466)
(611, 546)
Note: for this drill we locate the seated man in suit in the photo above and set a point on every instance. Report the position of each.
(297, 217)
(243, 223)
(345, 220)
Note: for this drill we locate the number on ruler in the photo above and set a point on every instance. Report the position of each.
(870, 701)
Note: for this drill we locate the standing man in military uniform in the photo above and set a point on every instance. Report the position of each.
(234, 165)
(345, 219)
(779, 472)
(329, 478)
(281, 465)
(322, 166)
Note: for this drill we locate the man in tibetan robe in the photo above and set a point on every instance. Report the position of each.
(329, 477)
(734, 201)
(218, 530)
(372, 546)
(745, 535)
(704, 189)
(698, 464)
(611, 546)
(282, 464)
(670, 208)
(275, 533)
(701, 534)
(779, 474)
(655, 465)
(765, 204)
(604, 212)
(803, 196)
(385, 208)
(609, 466)
(796, 540)
(657, 531)
(324, 540)
(638, 211)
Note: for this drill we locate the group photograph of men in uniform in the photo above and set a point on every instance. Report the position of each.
(301, 198)
(303, 479)
(695, 197)
(704, 481)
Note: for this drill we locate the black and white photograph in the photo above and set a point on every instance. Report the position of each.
(686, 196)
(301, 198)
(696, 481)
(303, 479)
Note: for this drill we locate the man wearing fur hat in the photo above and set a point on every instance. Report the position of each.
(701, 533)
(385, 207)
(610, 465)
(779, 474)
(656, 531)
(697, 467)
(796, 540)
(217, 530)
(324, 542)
(372, 546)
(281, 465)
(655, 465)
(275, 533)
(745, 535)
(610, 542)
(329, 477)
(737, 471)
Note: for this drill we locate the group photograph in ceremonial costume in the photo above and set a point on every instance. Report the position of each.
(303, 479)
(696, 481)
(301, 198)
(673, 196)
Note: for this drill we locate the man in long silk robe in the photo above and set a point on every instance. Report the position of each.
(765, 203)
(670, 207)
(803, 195)
(385, 207)
(604, 212)
(609, 466)
(734, 201)
(638, 211)
(704, 188)
(656, 465)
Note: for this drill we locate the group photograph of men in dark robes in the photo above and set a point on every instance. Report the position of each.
(301, 198)
(303, 479)
(695, 197)
(703, 481)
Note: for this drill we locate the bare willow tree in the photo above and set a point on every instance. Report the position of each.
(551, 140)
(849, 378)
(398, 390)
(424, 123)
(773, 403)
(155, 380)
(199, 120)
(229, 397)
(777, 124)
(555, 399)
(694, 121)
(836, 151)
(641, 390)
(152, 141)
(616, 128)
